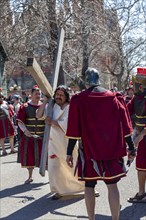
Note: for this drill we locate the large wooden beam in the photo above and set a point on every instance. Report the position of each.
(49, 110)
(38, 75)
(36, 72)
(58, 58)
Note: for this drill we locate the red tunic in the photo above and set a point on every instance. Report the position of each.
(6, 126)
(30, 148)
(102, 130)
(133, 109)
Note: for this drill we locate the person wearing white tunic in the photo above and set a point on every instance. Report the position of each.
(61, 176)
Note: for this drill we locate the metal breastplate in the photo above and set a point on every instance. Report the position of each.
(34, 125)
(140, 112)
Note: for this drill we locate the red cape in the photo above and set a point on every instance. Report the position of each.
(102, 121)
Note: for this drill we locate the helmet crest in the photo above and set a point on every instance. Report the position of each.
(139, 79)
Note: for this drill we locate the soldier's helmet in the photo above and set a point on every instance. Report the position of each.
(1, 100)
(1, 95)
(92, 77)
(139, 79)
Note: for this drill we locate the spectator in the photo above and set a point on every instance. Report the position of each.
(16, 106)
(6, 125)
(129, 95)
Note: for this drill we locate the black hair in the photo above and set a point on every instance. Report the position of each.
(65, 90)
(35, 89)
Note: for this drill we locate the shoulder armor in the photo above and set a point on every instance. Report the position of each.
(25, 105)
(118, 94)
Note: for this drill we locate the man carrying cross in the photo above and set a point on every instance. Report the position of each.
(61, 177)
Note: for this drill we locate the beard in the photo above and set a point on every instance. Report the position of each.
(58, 100)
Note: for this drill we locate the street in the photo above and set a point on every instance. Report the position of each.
(21, 201)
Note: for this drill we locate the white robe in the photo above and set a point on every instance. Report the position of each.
(61, 176)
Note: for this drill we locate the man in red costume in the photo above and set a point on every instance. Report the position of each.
(137, 106)
(6, 125)
(100, 119)
(32, 131)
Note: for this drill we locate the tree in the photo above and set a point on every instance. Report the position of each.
(100, 34)
(131, 39)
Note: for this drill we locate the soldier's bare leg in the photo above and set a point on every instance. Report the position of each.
(114, 200)
(2, 143)
(11, 140)
(30, 171)
(141, 180)
(90, 202)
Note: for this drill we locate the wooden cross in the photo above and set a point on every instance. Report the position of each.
(48, 90)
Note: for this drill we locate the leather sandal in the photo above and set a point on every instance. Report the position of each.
(28, 181)
(13, 151)
(4, 153)
(138, 199)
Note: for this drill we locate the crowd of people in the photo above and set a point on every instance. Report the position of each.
(83, 137)
(8, 112)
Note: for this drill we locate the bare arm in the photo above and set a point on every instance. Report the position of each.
(24, 129)
(139, 137)
(40, 111)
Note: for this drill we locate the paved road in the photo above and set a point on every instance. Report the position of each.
(27, 202)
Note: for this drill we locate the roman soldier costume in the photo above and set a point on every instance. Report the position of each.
(137, 106)
(31, 146)
(103, 130)
(6, 114)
